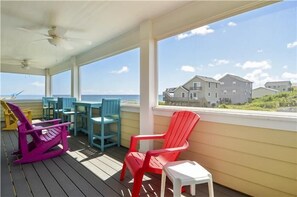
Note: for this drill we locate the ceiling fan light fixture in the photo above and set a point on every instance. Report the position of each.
(54, 41)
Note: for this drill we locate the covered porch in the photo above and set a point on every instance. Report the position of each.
(248, 151)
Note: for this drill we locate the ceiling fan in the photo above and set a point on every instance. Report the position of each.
(56, 36)
(24, 63)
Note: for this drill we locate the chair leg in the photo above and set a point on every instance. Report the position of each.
(91, 132)
(163, 184)
(102, 138)
(137, 184)
(64, 141)
(123, 172)
(119, 133)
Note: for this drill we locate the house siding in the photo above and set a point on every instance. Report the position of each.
(281, 86)
(255, 161)
(34, 106)
(178, 94)
(260, 92)
(129, 126)
(205, 89)
(243, 90)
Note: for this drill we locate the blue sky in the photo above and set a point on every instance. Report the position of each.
(260, 46)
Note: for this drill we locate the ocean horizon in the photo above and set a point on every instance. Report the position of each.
(126, 98)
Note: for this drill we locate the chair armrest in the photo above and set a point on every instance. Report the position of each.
(54, 121)
(158, 152)
(136, 138)
(49, 127)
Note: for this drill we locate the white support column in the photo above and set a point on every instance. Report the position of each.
(75, 85)
(48, 85)
(147, 83)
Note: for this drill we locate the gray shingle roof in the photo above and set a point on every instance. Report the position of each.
(236, 77)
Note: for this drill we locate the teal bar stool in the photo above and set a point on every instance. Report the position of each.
(45, 107)
(65, 104)
(110, 114)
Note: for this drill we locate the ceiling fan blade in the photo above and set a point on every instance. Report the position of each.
(65, 44)
(32, 31)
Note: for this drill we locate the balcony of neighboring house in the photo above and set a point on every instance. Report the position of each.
(196, 88)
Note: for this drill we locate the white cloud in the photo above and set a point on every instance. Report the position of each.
(290, 76)
(187, 68)
(204, 30)
(38, 84)
(259, 78)
(221, 62)
(254, 64)
(260, 51)
(217, 62)
(232, 24)
(292, 45)
(124, 69)
(285, 67)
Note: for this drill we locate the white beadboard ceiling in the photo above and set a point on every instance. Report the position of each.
(95, 21)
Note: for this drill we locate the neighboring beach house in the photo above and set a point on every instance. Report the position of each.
(262, 91)
(281, 86)
(235, 89)
(198, 91)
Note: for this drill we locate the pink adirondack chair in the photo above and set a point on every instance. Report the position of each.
(174, 141)
(44, 138)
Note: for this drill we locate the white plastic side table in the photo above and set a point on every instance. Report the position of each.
(185, 173)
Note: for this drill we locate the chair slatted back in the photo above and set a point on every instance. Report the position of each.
(45, 101)
(66, 104)
(7, 110)
(110, 107)
(181, 125)
(23, 121)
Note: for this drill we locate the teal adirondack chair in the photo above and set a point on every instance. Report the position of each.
(110, 114)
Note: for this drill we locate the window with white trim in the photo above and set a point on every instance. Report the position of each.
(206, 53)
(61, 84)
(31, 86)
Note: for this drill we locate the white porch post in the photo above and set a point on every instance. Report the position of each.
(147, 83)
(48, 88)
(75, 85)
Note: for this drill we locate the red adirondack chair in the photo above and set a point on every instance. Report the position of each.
(174, 141)
(44, 138)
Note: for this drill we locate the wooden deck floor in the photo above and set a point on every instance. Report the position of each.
(83, 171)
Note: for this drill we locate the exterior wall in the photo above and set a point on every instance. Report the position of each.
(243, 90)
(255, 161)
(260, 92)
(129, 126)
(178, 94)
(34, 105)
(214, 93)
(205, 89)
(280, 86)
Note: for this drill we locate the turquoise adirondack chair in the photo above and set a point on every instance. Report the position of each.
(110, 114)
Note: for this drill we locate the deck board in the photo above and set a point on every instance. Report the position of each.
(82, 171)
(5, 174)
(18, 178)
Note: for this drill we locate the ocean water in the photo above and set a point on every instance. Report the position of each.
(124, 98)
